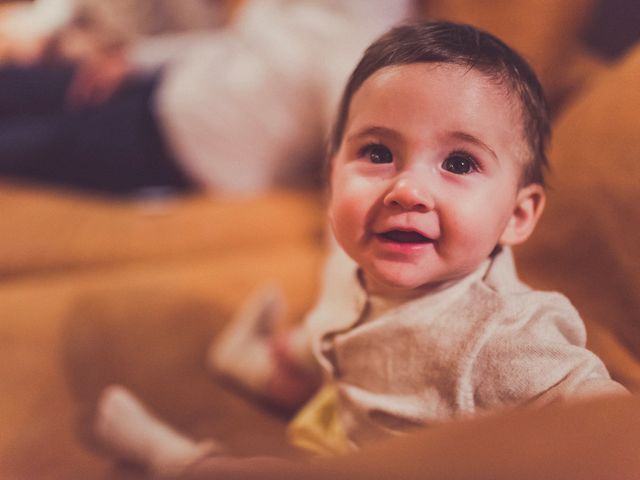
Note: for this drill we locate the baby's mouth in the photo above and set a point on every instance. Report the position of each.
(403, 236)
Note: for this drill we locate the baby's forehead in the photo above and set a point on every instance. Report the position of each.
(453, 92)
(435, 78)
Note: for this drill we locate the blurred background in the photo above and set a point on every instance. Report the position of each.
(159, 159)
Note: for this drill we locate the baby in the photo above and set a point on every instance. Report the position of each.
(437, 164)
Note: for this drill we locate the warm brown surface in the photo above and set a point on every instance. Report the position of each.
(46, 230)
(547, 32)
(587, 243)
(68, 332)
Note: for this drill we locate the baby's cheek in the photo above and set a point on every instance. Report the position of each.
(342, 215)
(468, 232)
(346, 218)
(347, 197)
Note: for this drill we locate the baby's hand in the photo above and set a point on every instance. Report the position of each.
(242, 351)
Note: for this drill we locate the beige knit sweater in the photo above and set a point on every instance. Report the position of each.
(490, 342)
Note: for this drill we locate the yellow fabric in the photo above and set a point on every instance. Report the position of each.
(317, 428)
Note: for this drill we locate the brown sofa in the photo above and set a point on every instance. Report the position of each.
(586, 245)
(94, 291)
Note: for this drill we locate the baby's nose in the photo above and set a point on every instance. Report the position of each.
(410, 194)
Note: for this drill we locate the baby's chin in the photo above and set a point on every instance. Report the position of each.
(406, 281)
(398, 286)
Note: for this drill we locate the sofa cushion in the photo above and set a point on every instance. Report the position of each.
(46, 230)
(587, 242)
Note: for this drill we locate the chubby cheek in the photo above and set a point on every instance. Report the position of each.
(348, 209)
(344, 218)
(471, 232)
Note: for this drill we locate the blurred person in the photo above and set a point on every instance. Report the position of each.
(235, 110)
(98, 36)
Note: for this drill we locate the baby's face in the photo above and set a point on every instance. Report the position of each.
(426, 179)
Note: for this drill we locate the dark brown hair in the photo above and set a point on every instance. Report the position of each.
(459, 44)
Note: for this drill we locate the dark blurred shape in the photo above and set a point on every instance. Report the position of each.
(613, 28)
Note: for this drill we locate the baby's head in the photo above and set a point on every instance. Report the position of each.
(470, 48)
(437, 155)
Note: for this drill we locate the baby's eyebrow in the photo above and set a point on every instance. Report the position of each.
(375, 131)
(467, 137)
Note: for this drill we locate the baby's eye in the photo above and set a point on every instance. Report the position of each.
(377, 154)
(459, 163)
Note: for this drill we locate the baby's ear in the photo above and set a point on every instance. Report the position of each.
(525, 215)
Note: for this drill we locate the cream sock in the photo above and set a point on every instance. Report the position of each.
(131, 432)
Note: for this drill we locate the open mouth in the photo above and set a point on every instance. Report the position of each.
(402, 236)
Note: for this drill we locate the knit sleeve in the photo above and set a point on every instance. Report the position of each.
(536, 355)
